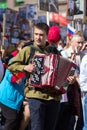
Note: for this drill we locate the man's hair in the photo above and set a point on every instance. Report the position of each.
(42, 26)
(76, 35)
(20, 44)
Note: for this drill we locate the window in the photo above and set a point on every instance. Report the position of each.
(19, 2)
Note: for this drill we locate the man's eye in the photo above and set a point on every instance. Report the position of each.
(41, 34)
(38, 34)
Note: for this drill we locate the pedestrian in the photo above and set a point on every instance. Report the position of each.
(64, 111)
(26, 115)
(74, 52)
(43, 103)
(83, 83)
(12, 104)
(11, 99)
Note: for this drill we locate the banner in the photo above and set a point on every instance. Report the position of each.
(41, 19)
(31, 11)
(70, 10)
(22, 12)
(59, 19)
(77, 9)
(49, 5)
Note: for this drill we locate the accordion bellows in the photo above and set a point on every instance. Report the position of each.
(46, 70)
(51, 71)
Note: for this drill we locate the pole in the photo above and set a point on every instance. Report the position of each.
(3, 34)
(48, 18)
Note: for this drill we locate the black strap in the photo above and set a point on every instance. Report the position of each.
(28, 44)
(32, 52)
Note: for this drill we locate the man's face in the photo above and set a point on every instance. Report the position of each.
(77, 43)
(40, 37)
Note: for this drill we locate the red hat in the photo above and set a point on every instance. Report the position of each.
(54, 34)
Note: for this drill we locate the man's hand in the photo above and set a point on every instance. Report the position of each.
(71, 79)
(30, 68)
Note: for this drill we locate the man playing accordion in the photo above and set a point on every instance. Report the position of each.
(43, 101)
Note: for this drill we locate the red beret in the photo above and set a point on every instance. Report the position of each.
(54, 34)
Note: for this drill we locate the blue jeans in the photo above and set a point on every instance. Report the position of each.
(43, 114)
(85, 113)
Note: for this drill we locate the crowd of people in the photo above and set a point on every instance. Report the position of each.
(27, 105)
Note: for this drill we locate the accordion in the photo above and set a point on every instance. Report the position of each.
(51, 71)
(46, 70)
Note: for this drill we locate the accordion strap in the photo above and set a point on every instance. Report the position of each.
(32, 52)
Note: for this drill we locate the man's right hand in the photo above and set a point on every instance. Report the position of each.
(30, 68)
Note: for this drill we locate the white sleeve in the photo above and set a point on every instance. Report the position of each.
(83, 74)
